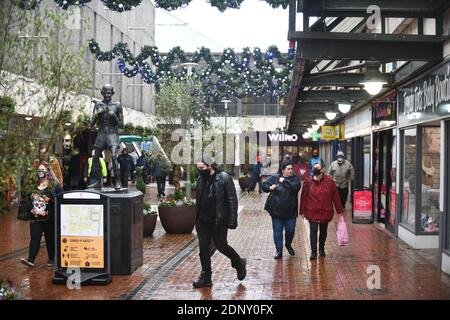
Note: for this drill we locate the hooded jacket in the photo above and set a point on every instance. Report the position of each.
(317, 199)
(342, 173)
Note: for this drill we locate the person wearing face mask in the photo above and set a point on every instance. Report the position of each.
(282, 205)
(343, 174)
(216, 207)
(318, 196)
(39, 205)
(315, 159)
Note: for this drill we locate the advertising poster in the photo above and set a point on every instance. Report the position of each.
(393, 207)
(82, 238)
(362, 204)
(328, 133)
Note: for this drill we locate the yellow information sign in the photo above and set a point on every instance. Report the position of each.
(82, 238)
(82, 252)
(328, 133)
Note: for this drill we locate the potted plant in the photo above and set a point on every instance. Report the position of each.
(150, 217)
(245, 181)
(7, 291)
(177, 214)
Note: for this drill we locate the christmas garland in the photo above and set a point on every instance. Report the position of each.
(125, 5)
(255, 73)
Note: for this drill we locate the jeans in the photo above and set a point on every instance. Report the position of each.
(289, 227)
(36, 230)
(161, 185)
(205, 233)
(343, 193)
(314, 226)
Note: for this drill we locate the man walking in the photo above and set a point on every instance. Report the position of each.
(216, 207)
(126, 166)
(343, 173)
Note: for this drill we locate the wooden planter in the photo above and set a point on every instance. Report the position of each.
(245, 183)
(179, 219)
(149, 224)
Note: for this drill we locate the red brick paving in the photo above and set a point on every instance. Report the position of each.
(168, 272)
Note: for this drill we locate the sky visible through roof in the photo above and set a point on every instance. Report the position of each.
(255, 24)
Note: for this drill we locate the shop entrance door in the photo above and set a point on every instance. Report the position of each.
(384, 173)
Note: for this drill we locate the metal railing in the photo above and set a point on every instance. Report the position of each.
(261, 109)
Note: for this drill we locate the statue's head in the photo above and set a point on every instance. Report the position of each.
(107, 92)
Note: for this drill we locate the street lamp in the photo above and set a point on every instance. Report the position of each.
(189, 66)
(373, 81)
(226, 116)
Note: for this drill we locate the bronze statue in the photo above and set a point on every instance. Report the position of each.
(109, 118)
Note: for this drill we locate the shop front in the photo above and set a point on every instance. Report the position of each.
(384, 119)
(358, 136)
(424, 120)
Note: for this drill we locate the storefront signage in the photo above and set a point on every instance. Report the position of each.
(384, 114)
(426, 99)
(362, 206)
(328, 133)
(282, 137)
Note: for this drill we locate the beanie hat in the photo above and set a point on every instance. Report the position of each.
(340, 153)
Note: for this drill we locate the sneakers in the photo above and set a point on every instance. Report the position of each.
(241, 269)
(203, 281)
(50, 263)
(290, 250)
(27, 262)
(313, 256)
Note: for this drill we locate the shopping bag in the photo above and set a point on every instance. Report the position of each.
(341, 233)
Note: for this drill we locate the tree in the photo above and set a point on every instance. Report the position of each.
(176, 104)
(42, 72)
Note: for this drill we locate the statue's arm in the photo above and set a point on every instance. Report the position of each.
(94, 116)
(120, 115)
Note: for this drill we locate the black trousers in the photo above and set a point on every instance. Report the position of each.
(205, 233)
(124, 175)
(253, 185)
(36, 230)
(343, 193)
(314, 226)
(161, 185)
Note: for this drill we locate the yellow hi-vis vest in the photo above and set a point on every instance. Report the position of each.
(102, 163)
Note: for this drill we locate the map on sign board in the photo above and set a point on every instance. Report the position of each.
(82, 220)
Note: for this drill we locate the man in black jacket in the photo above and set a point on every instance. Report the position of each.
(216, 208)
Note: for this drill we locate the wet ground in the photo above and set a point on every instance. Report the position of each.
(171, 263)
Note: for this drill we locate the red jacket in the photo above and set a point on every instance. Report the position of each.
(317, 199)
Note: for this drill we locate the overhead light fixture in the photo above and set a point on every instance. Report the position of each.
(321, 122)
(310, 130)
(28, 118)
(344, 107)
(373, 80)
(330, 115)
(306, 135)
(315, 127)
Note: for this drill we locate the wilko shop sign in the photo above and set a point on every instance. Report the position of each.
(282, 137)
(362, 206)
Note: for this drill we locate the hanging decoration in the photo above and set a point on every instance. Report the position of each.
(169, 5)
(248, 73)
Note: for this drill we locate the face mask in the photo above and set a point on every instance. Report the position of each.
(317, 171)
(204, 173)
(340, 160)
(41, 174)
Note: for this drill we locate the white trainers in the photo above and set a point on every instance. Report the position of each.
(27, 262)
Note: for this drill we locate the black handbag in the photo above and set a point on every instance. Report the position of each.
(24, 210)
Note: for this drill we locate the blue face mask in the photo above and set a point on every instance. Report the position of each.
(41, 174)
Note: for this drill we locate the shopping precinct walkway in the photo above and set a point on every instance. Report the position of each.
(171, 263)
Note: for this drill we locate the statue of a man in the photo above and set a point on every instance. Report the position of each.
(109, 118)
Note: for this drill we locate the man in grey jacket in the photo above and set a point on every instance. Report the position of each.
(342, 172)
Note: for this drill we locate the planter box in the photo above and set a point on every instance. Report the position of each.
(149, 224)
(179, 219)
(245, 183)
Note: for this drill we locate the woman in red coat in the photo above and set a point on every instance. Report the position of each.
(316, 205)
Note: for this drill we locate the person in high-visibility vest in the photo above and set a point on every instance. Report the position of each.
(87, 170)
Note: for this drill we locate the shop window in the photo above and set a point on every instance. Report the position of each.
(430, 171)
(409, 178)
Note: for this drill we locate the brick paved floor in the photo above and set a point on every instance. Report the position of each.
(171, 263)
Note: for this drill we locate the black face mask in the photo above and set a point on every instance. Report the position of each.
(317, 172)
(204, 173)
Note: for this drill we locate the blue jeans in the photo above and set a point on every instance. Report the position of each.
(278, 225)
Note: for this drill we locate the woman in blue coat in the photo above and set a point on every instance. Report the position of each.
(282, 205)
